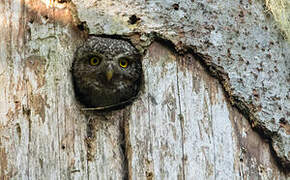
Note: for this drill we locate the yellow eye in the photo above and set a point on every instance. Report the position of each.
(123, 63)
(94, 61)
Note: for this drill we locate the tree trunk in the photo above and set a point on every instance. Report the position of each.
(192, 120)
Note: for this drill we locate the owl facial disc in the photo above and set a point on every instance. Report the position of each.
(106, 73)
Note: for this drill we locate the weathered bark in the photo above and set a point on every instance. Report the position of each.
(190, 130)
(186, 124)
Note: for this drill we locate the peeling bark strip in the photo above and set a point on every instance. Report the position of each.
(181, 126)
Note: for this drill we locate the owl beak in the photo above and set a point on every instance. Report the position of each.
(109, 75)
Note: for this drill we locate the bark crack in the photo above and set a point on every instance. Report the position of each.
(26, 111)
(149, 173)
(181, 119)
(90, 142)
(213, 137)
(125, 144)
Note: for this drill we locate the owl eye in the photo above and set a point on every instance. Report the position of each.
(94, 61)
(123, 63)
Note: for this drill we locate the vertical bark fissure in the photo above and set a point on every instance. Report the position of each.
(124, 145)
(26, 111)
(89, 140)
(181, 118)
(213, 135)
(149, 144)
(88, 170)
(87, 155)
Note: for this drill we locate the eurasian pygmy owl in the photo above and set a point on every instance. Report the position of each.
(106, 73)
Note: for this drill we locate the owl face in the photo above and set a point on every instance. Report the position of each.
(106, 72)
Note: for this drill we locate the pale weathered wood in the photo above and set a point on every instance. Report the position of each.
(107, 158)
(43, 130)
(155, 129)
(180, 127)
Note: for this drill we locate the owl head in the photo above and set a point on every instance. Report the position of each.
(106, 73)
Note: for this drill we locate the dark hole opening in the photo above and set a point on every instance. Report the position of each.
(175, 6)
(63, 1)
(133, 19)
(81, 26)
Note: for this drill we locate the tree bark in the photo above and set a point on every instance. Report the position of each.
(185, 124)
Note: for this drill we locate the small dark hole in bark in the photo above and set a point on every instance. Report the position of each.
(26, 111)
(46, 16)
(81, 26)
(241, 14)
(63, 147)
(31, 21)
(63, 1)
(133, 19)
(149, 174)
(282, 121)
(175, 6)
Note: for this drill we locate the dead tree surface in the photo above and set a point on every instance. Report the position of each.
(185, 124)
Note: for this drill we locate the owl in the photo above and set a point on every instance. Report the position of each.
(106, 73)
